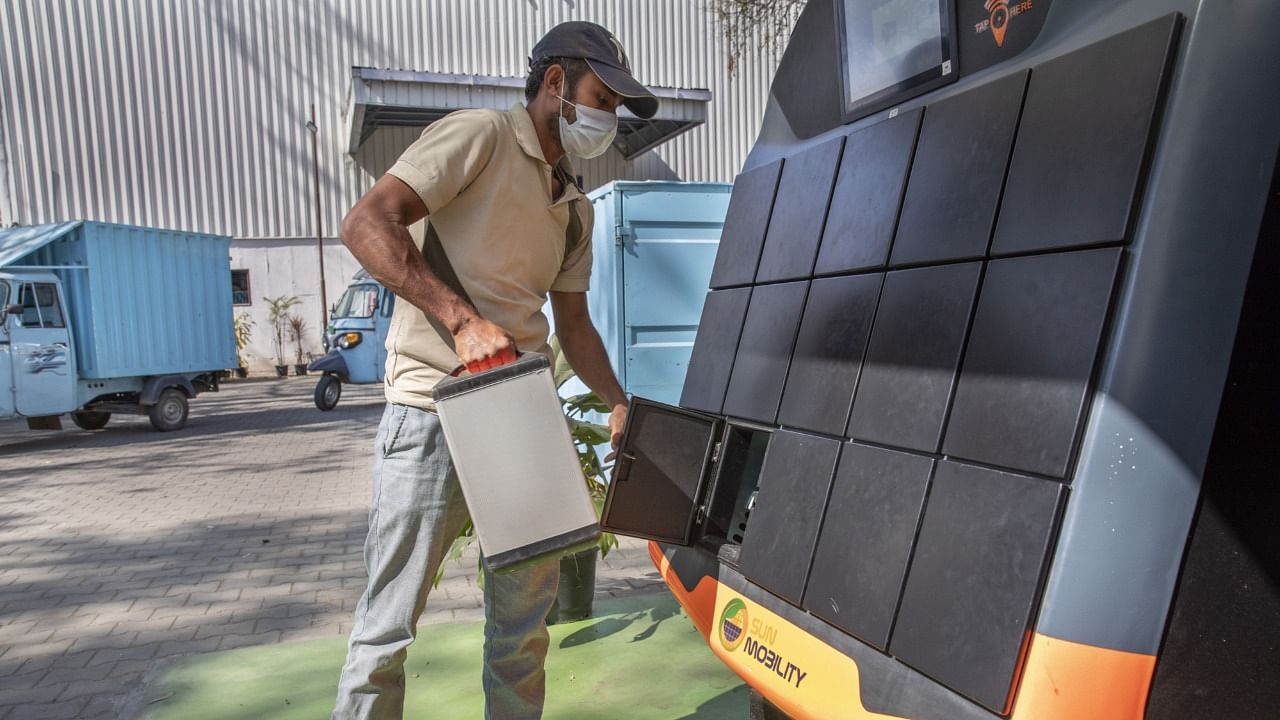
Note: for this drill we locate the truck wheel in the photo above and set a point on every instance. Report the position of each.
(90, 420)
(170, 411)
(328, 391)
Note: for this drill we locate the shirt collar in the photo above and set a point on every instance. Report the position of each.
(527, 138)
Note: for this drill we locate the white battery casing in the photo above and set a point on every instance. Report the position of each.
(519, 471)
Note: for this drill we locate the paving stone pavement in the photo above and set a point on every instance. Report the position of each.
(125, 547)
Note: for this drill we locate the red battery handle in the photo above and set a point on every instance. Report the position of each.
(506, 357)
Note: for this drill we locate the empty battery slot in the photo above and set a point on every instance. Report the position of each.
(734, 486)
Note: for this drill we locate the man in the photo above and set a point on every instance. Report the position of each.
(504, 226)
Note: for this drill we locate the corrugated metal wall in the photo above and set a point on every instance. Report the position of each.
(190, 114)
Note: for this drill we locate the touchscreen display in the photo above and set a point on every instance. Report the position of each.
(890, 47)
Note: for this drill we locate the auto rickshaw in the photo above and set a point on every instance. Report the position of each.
(355, 339)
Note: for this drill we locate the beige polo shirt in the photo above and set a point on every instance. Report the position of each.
(492, 232)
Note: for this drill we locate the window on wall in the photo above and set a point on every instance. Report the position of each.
(240, 294)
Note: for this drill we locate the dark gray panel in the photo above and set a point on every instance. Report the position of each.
(784, 523)
(1026, 371)
(744, 226)
(769, 334)
(958, 173)
(713, 350)
(975, 579)
(1227, 587)
(865, 544)
(656, 484)
(1082, 142)
(811, 102)
(798, 213)
(828, 355)
(868, 193)
(912, 358)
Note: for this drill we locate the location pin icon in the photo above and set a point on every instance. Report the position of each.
(999, 10)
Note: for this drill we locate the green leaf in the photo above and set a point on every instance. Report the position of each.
(585, 403)
(561, 370)
(459, 546)
(591, 434)
(608, 541)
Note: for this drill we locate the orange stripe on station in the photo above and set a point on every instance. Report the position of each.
(1064, 680)
(699, 602)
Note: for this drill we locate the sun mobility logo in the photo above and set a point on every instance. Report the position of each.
(733, 624)
(737, 630)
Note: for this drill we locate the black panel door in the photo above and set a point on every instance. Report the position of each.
(975, 579)
(661, 470)
(1083, 142)
(828, 355)
(798, 213)
(913, 354)
(768, 336)
(744, 226)
(1026, 371)
(784, 524)
(714, 348)
(867, 196)
(958, 173)
(866, 538)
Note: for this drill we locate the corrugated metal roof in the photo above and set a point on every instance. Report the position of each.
(19, 242)
(400, 98)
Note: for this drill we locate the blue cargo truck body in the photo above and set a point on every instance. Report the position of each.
(99, 318)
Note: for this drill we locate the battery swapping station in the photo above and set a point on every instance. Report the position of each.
(954, 441)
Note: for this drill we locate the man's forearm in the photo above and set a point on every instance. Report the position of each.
(587, 356)
(387, 251)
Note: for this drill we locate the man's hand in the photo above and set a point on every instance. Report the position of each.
(481, 345)
(617, 422)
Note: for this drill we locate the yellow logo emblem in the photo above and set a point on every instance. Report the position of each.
(733, 624)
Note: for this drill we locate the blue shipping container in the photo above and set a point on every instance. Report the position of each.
(654, 244)
(141, 301)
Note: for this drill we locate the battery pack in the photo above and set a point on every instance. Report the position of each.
(516, 462)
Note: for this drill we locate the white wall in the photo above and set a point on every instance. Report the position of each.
(288, 268)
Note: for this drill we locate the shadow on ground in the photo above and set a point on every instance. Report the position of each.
(122, 547)
(215, 417)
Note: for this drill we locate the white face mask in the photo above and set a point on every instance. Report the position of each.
(590, 135)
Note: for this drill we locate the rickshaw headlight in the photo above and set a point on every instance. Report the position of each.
(346, 341)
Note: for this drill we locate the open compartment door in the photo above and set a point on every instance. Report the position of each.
(661, 473)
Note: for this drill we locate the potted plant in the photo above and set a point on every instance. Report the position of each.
(576, 590)
(278, 313)
(244, 331)
(297, 333)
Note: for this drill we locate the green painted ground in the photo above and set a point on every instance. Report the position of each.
(639, 658)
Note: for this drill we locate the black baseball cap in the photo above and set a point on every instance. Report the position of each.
(606, 58)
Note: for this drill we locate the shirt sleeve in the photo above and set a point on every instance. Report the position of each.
(575, 271)
(448, 156)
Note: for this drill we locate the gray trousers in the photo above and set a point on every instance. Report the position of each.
(417, 511)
